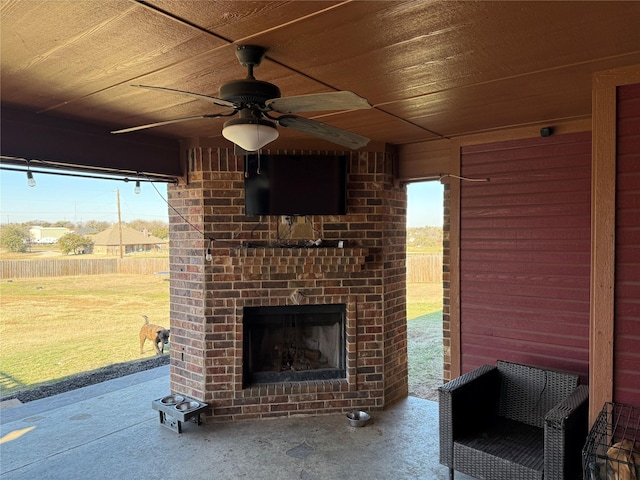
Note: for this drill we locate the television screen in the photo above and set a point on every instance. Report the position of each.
(295, 185)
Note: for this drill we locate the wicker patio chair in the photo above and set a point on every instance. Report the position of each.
(513, 422)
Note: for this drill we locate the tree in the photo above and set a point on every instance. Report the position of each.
(97, 225)
(14, 238)
(63, 223)
(72, 242)
(161, 232)
(425, 237)
(154, 227)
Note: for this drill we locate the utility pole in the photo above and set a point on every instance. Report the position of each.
(119, 222)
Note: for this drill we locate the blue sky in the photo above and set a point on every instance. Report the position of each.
(424, 206)
(59, 198)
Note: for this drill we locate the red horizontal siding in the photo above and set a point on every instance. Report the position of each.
(525, 240)
(626, 355)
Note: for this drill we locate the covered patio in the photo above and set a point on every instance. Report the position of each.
(109, 430)
(527, 110)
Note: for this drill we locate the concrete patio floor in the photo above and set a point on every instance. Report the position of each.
(109, 430)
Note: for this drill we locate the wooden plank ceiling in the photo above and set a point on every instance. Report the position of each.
(431, 69)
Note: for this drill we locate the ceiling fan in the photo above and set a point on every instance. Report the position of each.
(254, 101)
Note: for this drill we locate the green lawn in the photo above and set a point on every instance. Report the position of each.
(425, 348)
(424, 337)
(52, 328)
(423, 299)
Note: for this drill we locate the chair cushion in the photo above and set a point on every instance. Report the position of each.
(506, 450)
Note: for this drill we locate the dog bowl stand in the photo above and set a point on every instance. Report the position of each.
(172, 418)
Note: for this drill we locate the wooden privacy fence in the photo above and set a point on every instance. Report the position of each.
(421, 268)
(63, 267)
(424, 268)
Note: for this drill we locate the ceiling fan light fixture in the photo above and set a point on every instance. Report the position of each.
(253, 99)
(250, 134)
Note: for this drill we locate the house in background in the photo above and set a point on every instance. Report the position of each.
(47, 234)
(109, 241)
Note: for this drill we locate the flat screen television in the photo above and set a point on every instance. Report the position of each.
(295, 185)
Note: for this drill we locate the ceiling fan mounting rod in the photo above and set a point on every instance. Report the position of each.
(250, 73)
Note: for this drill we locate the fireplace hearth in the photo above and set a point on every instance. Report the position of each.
(293, 343)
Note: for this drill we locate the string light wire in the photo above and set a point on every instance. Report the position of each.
(82, 175)
(466, 179)
(210, 240)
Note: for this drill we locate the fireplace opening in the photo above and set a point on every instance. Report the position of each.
(293, 343)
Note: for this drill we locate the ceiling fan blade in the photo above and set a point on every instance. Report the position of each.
(217, 101)
(166, 122)
(323, 131)
(317, 102)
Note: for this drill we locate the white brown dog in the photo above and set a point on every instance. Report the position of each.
(157, 334)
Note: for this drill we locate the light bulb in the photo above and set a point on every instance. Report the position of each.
(137, 190)
(208, 257)
(30, 180)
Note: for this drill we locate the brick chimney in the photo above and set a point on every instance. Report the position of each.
(367, 275)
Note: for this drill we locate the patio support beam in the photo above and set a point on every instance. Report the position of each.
(603, 225)
(62, 141)
(454, 265)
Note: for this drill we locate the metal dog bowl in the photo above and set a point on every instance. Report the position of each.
(186, 406)
(358, 418)
(172, 399)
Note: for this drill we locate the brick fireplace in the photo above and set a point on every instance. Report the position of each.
(257, 264)
(292, 343)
